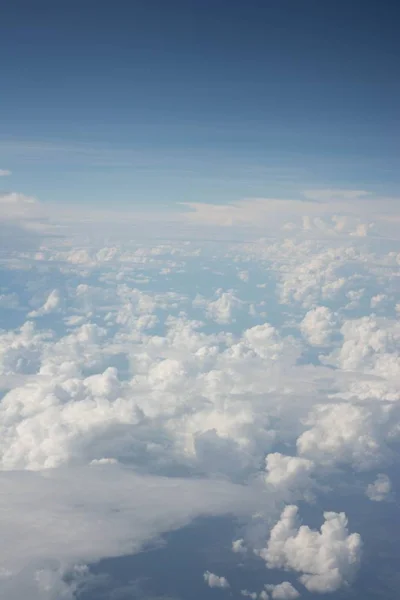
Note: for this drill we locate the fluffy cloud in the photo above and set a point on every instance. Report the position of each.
(368, 343)
(288, 473)
(247, 594)
(318, 326)
(22, 350)
(326, 559)
(222, 310)
(214, 581)
(380, 489)
(335, 212)
(345, 433)
(238, 546)
(51, 305)
(127, 374)
(377, 300)
(283, 591)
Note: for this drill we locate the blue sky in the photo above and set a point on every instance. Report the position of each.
(207, 100)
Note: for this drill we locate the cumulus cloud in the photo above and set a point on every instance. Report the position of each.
(214, 581)
(288, 473)
(283, 591)
(51, 305)
(377, 300)
(238, 546)
(244, 276)
(366, 341)
(323, 211)
(19, 206)
(222, 310)
(133, 370)
(326, 559)
(380, 489)
(346, 433)
(247, 594)
(318, 326)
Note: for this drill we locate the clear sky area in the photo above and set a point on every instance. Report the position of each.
(160, 101)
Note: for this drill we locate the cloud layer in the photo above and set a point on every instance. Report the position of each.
(195, 377)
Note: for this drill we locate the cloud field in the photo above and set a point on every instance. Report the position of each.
(237, 360)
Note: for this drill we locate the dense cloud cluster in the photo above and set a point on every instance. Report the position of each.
(196, 378)
(327, 558)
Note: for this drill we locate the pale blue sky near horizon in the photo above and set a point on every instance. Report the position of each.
(158, 102)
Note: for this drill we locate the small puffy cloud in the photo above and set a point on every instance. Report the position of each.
(318, 326)
(247, 594)
(380, 489)
(326, 559)
(22, 350)
(238, 546)
(283, 591)
(104, 461)
(243, 276)
(5, 172)
(224, 309)
(51, 305)
(288, 473)
(362, 229)
(378, 300)
(368, 345)
(354, 296)
(346, 433)
(214, 581)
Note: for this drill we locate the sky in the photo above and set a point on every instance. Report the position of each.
(213, 101)
(199, 300)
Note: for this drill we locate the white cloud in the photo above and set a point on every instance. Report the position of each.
(56, 519)
(21, 351)
(247, 594)
(51, 305)
(380, 489)
(128, 376)
(19, 206)
(326, 559)
(336, 212)
(222, 310)
(283, 591)
(318, 326)
(290, 474)
(214, 581)
(377, 300)
(354, 297)
(366, 341)
(345, 433)
(329, 195)
(238, 546)
(5, 173)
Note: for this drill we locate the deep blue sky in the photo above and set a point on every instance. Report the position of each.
(205, 100)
